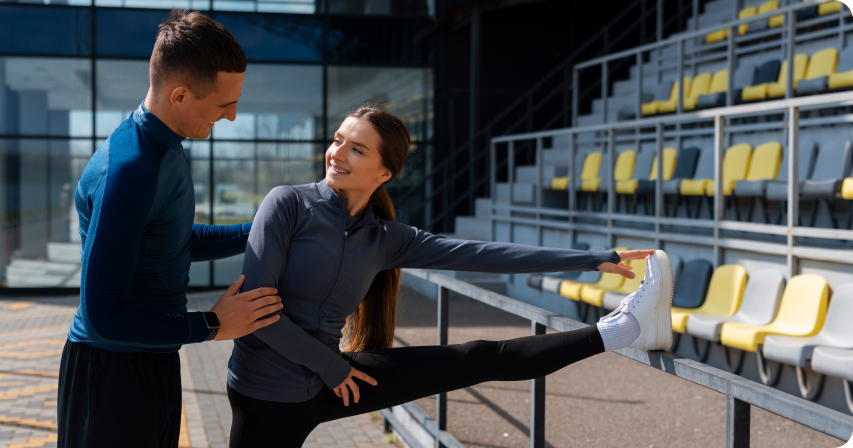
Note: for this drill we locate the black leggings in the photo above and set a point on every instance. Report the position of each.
(406, 374)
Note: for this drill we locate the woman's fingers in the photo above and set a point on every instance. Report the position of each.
(622, 269)
(354, 388)
(634, 254)
(337, 391)
(364, 377)
(345, 393)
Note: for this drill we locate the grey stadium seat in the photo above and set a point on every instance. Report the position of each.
(744, 76)
(759, 188)
(830, 157)
(836, 332)
(835, 362)
(685, 166)
(539, 281)
(760, 304)
(692, 284)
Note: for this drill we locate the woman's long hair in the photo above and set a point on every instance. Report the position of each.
(371, 326)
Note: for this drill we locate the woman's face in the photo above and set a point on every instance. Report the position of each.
(353, 162)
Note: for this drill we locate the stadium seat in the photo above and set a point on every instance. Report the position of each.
(760, 303)
(591, 164)
(623, 169)
(843, 76)
(777, 89)
(700, 86)
(642, 168)
(777, 190)
(767, 73)
(847, 188)
(572, 289)
(725, 292)
(671, 102)
(662, 93)
(744, 76)
(736, 164)
(821, 66)
(535, 281)
(685, 166)
(745, 13)
(834, 362)
(801, 313)
(594, 294)
(612, 299)
(773, 22)
(764, 166)
(827, 177)
(704, 172)
(691, 285)
(836, 332)
(828, 8)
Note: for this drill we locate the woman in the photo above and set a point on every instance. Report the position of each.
(333, 251)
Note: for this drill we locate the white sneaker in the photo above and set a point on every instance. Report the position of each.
(651, 305)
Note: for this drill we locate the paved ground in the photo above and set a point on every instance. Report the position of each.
(605, 401)
(32, 334)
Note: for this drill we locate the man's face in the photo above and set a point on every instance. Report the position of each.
(196, 117)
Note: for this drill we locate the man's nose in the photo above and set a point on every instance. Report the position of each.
(230, 113)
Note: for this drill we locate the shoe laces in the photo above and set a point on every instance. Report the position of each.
(625, 304)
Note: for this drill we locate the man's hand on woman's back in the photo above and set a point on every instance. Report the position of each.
(238, 314)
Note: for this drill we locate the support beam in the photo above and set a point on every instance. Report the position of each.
(537, 400)
(737, 423)
(441, 399)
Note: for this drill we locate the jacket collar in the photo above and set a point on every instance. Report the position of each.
(340, 204)
(151, 124)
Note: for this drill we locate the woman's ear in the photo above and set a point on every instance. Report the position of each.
(385, 176)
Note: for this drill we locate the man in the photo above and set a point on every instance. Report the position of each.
(119, 380)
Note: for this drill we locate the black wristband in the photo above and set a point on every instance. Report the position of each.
(212, 322)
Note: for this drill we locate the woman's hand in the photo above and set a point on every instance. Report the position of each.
(623, 269)
(348, 385)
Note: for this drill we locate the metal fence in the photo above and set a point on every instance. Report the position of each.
(741, 394)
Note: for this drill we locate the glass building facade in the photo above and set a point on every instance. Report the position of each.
(70, 73)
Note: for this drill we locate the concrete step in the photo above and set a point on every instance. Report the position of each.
(521, 193)
(526, 174)
(481, 207)
(64, 252)
(42, 273)
(473, 228)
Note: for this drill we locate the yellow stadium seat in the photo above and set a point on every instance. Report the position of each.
(670, 156)
(841, 80)
(594, 293)
(829, 8)
(725, 292)
(720, 82)
(717, 36)
(735, 166)
(591, 164)
(822, 63)
(671, 104)
(777, 89)
(756, 92)
(847, 188)
(772, 5)
(745, 13)
(700, 86)
(801, 314)
(765, 162)
(622, 171)
(571, 290)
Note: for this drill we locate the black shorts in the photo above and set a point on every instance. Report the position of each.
(112, 399)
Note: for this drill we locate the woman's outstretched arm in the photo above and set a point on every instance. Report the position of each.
(410, 247)
(264, 263)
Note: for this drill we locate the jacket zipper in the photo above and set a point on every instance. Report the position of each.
(337, 274)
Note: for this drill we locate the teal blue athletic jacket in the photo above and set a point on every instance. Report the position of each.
(136, 205)
(322, 262)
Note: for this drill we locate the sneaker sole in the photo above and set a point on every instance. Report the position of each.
(664, 313)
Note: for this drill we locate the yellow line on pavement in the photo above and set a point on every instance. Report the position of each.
(31, 422)
(184, 438)
(26, 392)
(41, 441)
(30, 372)
(31, 342)
(6, 334)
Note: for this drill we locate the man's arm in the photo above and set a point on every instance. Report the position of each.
(263, 266)
(211, 242)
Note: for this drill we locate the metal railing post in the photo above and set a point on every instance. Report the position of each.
(639, 89)
(793, 187)
(789, 75)
(441, 399)
(659, 184)
(573, 151)
(538, 191)
(493, 185)
(719, 131)
(611, 183)
(537, 400)
(679, 60)
(604, 92)
(737, 423)
(575, 97)
(730, 63)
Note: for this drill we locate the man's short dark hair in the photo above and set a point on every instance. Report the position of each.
(193, 48)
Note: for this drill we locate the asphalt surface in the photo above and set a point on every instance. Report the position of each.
(604, 401)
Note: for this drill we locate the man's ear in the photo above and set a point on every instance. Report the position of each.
(179, 95)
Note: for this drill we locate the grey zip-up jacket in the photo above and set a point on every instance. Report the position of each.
(300, 244)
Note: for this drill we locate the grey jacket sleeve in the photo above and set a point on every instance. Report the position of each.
(263, 265)
(410, 247)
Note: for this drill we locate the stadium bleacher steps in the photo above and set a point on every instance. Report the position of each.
(61, 269)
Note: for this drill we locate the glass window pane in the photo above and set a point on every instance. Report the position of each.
(286, 6)
(40, 96)
(127, 33)
(378, 41)
(40, 245)
(405, 92)
(54, 31)
(382, 7)
(275, 37)
(156, 4)
(278, 102)
(122, 85)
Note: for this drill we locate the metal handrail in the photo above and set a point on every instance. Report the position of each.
(740, 392)
(699, 33)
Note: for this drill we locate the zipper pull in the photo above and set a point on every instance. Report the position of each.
(345, 234)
